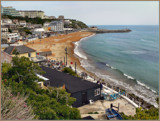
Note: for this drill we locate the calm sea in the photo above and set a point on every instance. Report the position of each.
(129, 60)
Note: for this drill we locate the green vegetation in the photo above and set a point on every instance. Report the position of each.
(93, 113)
(50, 103)
(25, 29)
(15, 52)
(36, 20)
(69, 71)
(157, 100)
(75, 23)
(146, 114)
(9, 30)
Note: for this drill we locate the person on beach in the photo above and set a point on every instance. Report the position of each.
(101, 85)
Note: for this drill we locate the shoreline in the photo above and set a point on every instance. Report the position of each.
(134, 95)
(57, 45)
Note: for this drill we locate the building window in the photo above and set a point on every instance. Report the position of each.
(97, 92)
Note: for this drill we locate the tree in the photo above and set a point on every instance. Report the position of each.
(9, 30)
(15, 52)
(23, 70)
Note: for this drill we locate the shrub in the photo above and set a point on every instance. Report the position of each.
(69, 71)
(90, 112)
(14, 107)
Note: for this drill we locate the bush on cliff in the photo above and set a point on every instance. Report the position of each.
(146, 114)
(14, 107)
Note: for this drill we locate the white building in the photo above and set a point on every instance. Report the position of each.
(12, 37)
(6, 21)
(32, 13)
(67, 22)
(68, 29)
(46, 24)
(4, 32)
(39, 32)
(22, 23)
(57, 26)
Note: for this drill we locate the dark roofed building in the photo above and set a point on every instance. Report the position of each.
(22, 51)
(82, 90)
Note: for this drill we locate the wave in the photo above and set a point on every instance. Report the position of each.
(137, 89)
(132, 78)
(129, 77)
(110, 66)
(142, 84)
(134, 52)
(77, 50)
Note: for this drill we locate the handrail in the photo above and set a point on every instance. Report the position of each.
(126, 98)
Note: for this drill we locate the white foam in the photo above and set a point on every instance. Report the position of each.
(110, 66)
(129, 77)
(76, 49)
(142, 84)
(153, 91)
(77, 52)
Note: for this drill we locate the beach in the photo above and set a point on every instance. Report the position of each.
(57, 44)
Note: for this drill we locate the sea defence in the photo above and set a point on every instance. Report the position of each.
(98, 31)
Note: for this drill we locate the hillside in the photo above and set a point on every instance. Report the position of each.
(76, 24)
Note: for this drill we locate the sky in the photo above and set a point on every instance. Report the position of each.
(96, 12)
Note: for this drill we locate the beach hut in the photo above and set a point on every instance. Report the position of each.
(82, 90)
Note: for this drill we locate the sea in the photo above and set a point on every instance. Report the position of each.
(128, 60)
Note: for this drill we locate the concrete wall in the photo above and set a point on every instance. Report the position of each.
(33, 54)
(20, 55)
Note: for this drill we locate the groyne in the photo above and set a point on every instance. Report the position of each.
(108, 31)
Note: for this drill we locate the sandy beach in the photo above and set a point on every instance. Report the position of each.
(57, 44)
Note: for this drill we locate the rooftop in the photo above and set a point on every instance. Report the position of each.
(21, 49)
(55, 23)
(72, 84)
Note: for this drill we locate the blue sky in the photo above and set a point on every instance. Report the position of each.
(96, 12)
